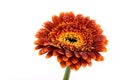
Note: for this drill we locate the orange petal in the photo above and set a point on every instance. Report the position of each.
(42, 33)
(68, 62)
(83, 63)
(92, 55)
(88, 59)
(38, 42)
(45, 49)
(74, 60)
(46, 42)
(77, 54)
(55, 20)
(90, 64)
(84, 55)
(48, 25)
(59, 59)
(49, 54)
(99, 57)
(61, 16)
(63, 64)
(77, 66)
(38, 47)
(55, 53)
(65, 58)
(60, 51)
(72, 16)
(104, 49)
(42, 41)
(72, 66)
(67, 17)
(68, 53)
(79, 18)
(99, 48)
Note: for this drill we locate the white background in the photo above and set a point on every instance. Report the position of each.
(19, 21)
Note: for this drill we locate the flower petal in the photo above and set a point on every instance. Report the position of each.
(83, 63)
(59, 58)
(48, 25)
(77, 54)
(63, 64)
(55, 20)
(65, 58)
(49, 54)
(99, 57)
(55, 52)
(38, 47)
(68, 17)
(68, 62)
(74, 60)
(68, 53)
(92, 55)
(45, 49)
(84, 55)
(42, 33)
(72, 66)
(88, 59)
(89, 64)
(60, 51)
(77, 66)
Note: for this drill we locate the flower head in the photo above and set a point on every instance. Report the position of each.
(75, 40)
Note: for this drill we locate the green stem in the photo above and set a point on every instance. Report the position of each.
(67, 73)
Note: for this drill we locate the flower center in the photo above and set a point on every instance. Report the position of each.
(71, 38)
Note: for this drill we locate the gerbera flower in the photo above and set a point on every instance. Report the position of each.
(74, 40)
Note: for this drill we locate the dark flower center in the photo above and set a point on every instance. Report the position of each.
(71, 40)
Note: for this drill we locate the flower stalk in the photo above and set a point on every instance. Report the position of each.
(67, 73)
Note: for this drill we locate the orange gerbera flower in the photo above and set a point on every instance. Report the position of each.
(75, 40)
